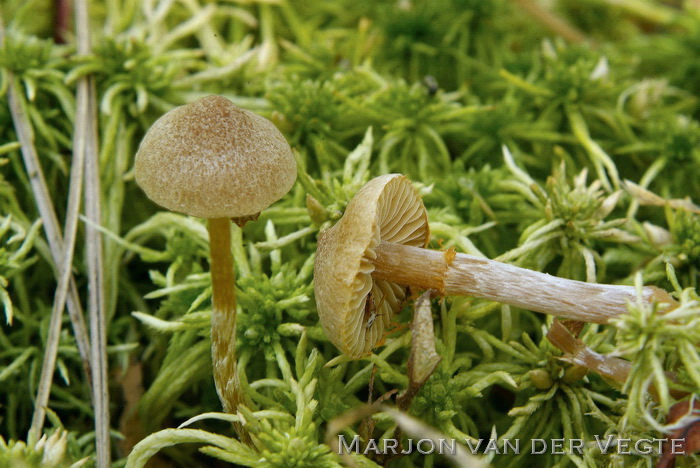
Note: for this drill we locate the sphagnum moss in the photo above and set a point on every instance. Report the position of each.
(430, 89)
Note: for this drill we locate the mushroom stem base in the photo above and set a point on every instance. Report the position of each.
(460, 274)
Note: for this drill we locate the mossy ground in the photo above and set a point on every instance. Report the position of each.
(562, 136)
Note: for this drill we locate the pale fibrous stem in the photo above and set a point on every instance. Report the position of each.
(453, 273)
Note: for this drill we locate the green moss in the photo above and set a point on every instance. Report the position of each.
(520, 143)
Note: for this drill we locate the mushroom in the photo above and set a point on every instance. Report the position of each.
(214, 160)
(365, 263)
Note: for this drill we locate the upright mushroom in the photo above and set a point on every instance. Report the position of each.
(214, 160)
(365, 262)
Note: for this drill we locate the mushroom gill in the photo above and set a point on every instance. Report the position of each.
(356, 308)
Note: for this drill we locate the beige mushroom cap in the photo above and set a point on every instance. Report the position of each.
(212, 159)
(386, 209)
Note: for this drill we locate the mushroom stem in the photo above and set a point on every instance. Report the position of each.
(223, 316)
(460, 274)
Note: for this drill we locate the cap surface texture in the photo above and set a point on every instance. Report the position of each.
(212, 159)
(355, 309)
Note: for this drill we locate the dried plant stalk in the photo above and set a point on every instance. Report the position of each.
(86, 143)
(61, 252)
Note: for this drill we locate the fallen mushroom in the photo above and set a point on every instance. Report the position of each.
(365, 262)
(214, 160)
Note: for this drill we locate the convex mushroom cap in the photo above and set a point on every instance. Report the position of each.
(354, 307)
(212, 159)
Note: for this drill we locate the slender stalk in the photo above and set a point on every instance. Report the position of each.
(223, 320)
(223, 316)
(86, 142)
(460, 274)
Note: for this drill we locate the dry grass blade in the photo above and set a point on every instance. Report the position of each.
(62, 254)
(409, 425)
(418, 429)
(86, 140)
